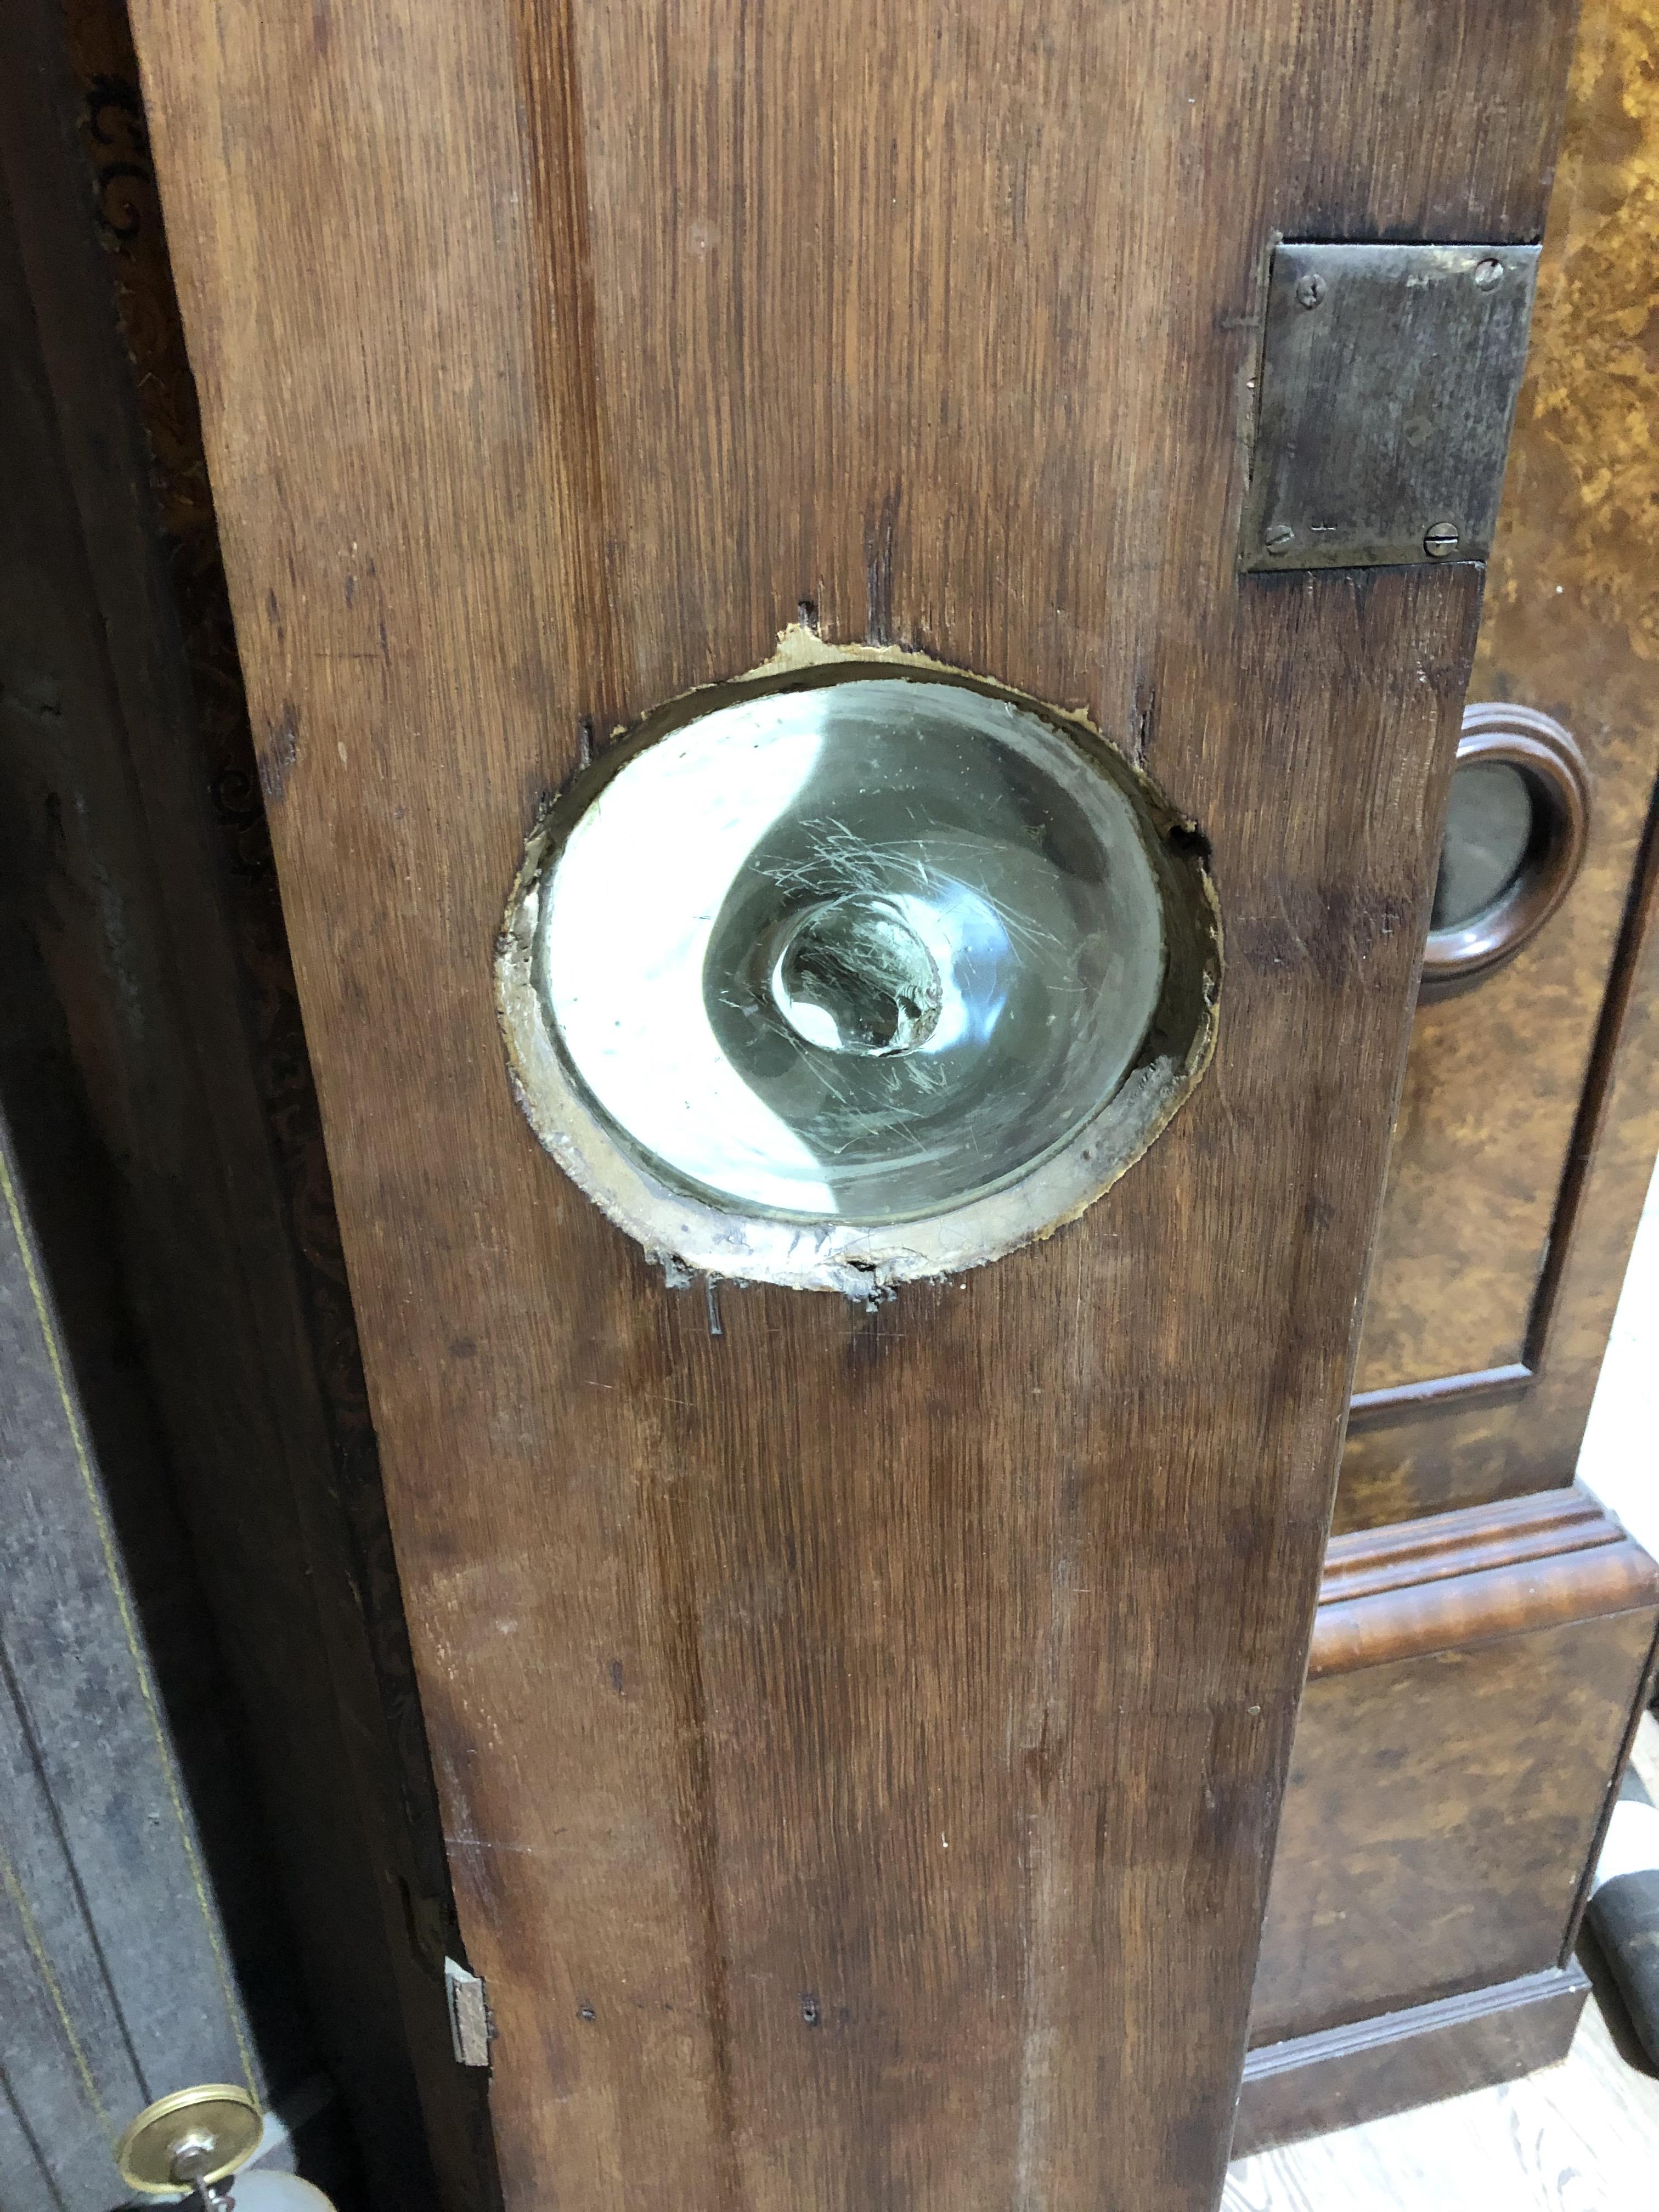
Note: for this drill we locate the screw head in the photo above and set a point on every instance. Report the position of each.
(1440, 540)
(193, 2158)
(1488, 273)
(1311, 290)
(1279, 538)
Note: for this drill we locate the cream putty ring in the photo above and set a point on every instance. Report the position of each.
(855, 970)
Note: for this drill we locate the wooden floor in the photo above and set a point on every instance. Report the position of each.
(1583, 2136)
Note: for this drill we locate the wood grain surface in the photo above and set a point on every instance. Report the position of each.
(1518, 1429)
(1441, 1812)
(1489, 1135)
(1576, 2137)
(156, 1082)
(859, 1733)
(118, 1964)
(1460, 1579)
(1314, 2085)
(1473, 1683)
(1410, 1554)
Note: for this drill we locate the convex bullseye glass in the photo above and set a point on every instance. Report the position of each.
(808, 979)
(1489, 823)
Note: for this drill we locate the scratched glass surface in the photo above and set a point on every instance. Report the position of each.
(1489, 827)
(858, 951)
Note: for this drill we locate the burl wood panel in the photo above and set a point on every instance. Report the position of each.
(859, 1733)
(1471, 1682)
(1572, 625)
(1471, 1446)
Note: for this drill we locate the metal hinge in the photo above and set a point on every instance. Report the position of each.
(472, 2028)
(1387, 387)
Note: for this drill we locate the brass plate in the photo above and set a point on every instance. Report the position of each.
(214, 2113)
(1387, 385)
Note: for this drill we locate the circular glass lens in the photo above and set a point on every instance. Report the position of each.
(1489, 828)
(855, 951)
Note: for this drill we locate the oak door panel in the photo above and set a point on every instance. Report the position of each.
(859, 1733)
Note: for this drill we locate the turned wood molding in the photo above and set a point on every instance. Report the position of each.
(1454, 1580)
(1484, 1386)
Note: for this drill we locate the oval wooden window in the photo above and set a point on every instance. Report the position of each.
(1515, 825)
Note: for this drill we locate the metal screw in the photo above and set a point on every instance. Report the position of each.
(1488, 273)
(1279, 538)
(1311, 290)
(1440, 540)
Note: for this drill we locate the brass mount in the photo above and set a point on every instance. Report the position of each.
(189, 2139)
